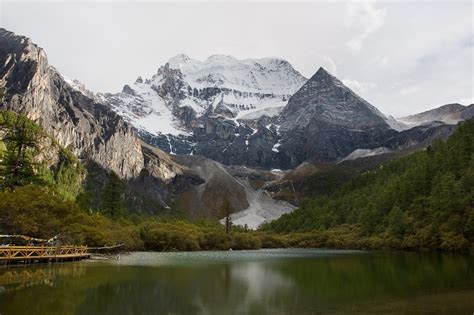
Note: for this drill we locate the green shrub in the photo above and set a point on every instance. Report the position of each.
(246, 241)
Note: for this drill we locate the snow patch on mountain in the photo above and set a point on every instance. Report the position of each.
(141, 106)
(276, 146)
(79, 87)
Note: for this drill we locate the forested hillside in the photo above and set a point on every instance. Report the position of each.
(424, 200)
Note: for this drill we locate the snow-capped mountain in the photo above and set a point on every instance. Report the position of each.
(264, 75)
(255, 112)
(185, 89)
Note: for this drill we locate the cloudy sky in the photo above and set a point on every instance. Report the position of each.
(403, 57)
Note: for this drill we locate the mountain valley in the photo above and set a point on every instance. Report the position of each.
(201, 134)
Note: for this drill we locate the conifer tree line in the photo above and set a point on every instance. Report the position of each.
(424, 200)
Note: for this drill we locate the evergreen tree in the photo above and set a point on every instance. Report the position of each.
(17, 167)
(228, 219)
(396, 222)
(112, 196)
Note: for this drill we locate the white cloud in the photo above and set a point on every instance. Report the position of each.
(365, 18)
(378, 61)
(410, 90)
(332, 65)
(359, 87)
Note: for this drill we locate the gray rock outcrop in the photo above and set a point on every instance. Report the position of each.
(89, 129)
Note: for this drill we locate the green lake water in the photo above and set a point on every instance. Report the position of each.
(284, 281)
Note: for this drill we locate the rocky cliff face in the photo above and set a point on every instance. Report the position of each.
(89, 129)
(326, 98)
(325, 120)
(468, 112)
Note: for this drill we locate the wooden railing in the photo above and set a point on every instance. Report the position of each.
(52, 253)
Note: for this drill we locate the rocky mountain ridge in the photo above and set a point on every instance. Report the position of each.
(450, 114)
(326, 120)
(29, 85)
(256, 112)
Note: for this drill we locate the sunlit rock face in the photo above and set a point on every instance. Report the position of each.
(88, 128)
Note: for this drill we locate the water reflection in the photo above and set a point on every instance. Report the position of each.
(17, 278)
(268, 282)
(261, 280)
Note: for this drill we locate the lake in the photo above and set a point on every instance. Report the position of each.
(280, 281)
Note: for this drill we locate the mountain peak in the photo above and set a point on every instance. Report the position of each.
(325, 98)
(264, 75)
(323, 74)
(182, 62)
(179, 58)
(322, 71)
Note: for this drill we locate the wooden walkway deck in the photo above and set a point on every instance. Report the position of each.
(35, 254)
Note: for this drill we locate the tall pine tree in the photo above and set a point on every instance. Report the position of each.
(112, 196)
(17, 167)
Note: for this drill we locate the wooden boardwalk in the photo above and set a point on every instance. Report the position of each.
(36, 254)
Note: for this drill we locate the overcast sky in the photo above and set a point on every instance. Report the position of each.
(403, 57)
